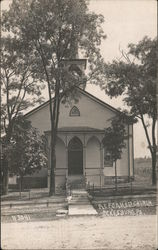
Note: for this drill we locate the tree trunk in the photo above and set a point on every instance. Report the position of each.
(154, 152)
(52, 171)
(21, 182)
(6, 161)
(152, 146)
(54, 122)
(154, 168)
(115, 177)
(6, 180)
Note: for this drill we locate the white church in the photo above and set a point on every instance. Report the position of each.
(79, 149)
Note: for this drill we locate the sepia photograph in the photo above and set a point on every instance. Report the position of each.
(78, 147)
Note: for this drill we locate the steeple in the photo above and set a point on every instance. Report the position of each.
(74, 49)
(74, 63)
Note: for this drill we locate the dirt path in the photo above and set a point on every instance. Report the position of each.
(82, 233)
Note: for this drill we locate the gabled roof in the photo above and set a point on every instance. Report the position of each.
(98, 100)
(84, 93)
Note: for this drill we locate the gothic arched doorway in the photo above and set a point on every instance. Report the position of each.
(75, 157)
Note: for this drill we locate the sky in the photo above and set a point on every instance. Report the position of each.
(126, 21)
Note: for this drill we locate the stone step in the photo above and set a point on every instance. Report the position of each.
(79, 194)
(79, 191)
(82, 209)
(79, 203)
(77, 198)
(79, 186)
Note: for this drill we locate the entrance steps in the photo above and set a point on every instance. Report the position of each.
(79, 204)
(76, 181)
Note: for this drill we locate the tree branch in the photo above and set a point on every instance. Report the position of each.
(22, 85)
(18, 107)
(147, 135)
(12, 73)
(7, 97)
(40, 51)
(153, 134)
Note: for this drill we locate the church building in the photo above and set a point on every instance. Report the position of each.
(79, 149)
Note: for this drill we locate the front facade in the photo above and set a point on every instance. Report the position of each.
(79, 149)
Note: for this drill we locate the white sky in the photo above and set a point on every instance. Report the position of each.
(126, 21)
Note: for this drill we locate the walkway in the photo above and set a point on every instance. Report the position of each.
(80, 203)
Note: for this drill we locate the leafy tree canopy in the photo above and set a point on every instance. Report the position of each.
(58, 30)
(135, 76)
(27, 149)
(20, 89)
(114, 137)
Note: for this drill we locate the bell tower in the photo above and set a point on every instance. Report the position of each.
(74, 63)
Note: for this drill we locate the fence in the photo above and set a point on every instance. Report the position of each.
(112, 183)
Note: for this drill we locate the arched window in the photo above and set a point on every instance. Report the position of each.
(74, 111)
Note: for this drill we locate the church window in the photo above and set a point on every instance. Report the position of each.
(74, 111)
(108, 162)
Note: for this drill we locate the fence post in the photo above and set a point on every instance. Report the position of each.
(66, 182)
(70, 191)
(47, 203)
(85, 180)
(115, 177)
(20, 188)
(29, 194)
(131, 185)
(93, 188)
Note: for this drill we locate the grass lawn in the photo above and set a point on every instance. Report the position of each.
(32, 194)
(122, 191)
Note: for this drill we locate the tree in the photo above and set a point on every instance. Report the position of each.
(19, 88)
(27, 150)
(113, 140)
(134, 76)
(54, 31)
